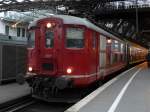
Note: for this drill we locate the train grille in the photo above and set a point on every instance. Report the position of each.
(48, 66)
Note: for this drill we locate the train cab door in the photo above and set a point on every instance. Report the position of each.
(50, 48)
(102, 56)
(95, 52)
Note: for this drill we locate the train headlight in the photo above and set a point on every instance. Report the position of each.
(69, 70)
(30, 69)
(49, 25)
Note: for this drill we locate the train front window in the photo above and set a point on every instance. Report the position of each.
(31, 38)
(49, 35)
(74, 38)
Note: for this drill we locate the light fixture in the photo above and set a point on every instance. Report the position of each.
(14, 26)
(20, 0)
(30, 69)
(109, 41)
(69, 70)
(49, 25)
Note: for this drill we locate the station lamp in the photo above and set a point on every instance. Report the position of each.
(20, 0)
(14, 26)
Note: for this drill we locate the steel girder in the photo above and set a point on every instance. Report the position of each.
(23, 5)
(83, 8)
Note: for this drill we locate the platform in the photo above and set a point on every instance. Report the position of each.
(13, 91)
(128, 92)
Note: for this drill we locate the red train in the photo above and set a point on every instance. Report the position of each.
(68, 52)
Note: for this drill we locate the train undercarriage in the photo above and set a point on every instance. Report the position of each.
(48, 85)
(54, 89)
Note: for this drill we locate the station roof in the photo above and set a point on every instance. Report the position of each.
(93, 10)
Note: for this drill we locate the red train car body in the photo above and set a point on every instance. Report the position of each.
(67, 51)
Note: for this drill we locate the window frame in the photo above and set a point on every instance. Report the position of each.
(45, 41)
(7, 30)
(18, 32)
(65, 36)
(29, 40)
(23, 32)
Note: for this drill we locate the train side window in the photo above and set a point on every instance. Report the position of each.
(122, 50)
(31, 38)
(74, 38)
(116, 45)
(49, 36)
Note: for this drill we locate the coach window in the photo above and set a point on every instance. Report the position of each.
(116, 45)
(74, 38)
(122, 48)
(49, 35)
(122, 51)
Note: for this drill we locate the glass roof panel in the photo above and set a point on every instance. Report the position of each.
(25, 16)
(128, 3)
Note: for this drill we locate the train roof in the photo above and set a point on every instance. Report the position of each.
(76, 20)
(135, 45)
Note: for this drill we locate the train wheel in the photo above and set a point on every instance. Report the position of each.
(54, 91)
(100, 83)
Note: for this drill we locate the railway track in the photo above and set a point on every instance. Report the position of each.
(14, 105)
(41, 106)
(28, 104)
(20, 106)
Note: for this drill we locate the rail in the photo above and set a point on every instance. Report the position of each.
(17, 104)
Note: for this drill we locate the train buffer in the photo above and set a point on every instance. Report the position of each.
(128, 92)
